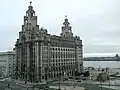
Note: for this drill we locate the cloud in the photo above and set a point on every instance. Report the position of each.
(97, 22)
(102, 49)
(8, 37)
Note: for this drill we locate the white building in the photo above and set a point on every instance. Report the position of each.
(7, 63)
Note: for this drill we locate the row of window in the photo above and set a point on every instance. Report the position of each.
(60, 41)
(57, 69)
(63, 55)
(62, 49)
(62, 60)
(58, 64)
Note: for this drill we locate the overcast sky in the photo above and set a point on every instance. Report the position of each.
(97, 22)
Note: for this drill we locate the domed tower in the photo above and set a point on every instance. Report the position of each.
(30, 12)
(66, 29)
(30, 20)
(29, 27)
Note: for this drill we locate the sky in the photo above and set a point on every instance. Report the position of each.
(97, 22)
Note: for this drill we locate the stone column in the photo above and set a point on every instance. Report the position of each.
(28, 61)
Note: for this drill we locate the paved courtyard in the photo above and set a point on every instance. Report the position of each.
(68, 87)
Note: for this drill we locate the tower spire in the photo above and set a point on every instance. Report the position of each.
(30, 12)
(66, 23)
(66, 28)
(30, 3)
(66, 16)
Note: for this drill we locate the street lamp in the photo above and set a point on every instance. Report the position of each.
(109, 77)
(59, 78)
(74, 70)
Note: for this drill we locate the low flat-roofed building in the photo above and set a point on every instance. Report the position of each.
(7, 63)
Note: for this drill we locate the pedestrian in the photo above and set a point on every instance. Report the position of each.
(8, 85)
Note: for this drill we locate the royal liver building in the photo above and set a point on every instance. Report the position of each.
(40, 55)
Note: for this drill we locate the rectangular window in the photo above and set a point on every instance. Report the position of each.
(33, 28)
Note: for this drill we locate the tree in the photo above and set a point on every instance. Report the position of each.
(86, 74)
(77, 73)
(102, 77)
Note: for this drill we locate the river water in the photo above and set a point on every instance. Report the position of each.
(102, 64)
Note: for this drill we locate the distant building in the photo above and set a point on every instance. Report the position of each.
(117, 57)
(40, 55)
(7, 63)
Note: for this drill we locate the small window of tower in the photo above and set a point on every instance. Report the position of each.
(33, 28)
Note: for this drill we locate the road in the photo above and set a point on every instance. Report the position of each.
(14, 86)
(90, 86)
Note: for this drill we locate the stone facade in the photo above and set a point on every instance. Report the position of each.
(40, 55)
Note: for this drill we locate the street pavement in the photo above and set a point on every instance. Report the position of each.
(22, 86)
(90, 86)
(14, 86)
(68, 88)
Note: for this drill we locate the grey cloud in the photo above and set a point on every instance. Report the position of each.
(97, 22)
(101, 49)
(8, 36)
